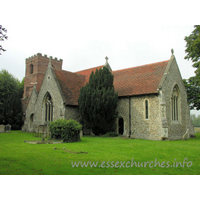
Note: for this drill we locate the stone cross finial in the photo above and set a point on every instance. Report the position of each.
(107, 64)
(106, 59)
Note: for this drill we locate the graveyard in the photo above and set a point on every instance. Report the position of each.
(5, 128)
(17, 157)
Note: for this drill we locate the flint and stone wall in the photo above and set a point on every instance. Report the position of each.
(176, 129)
(140, 126)
(36, 106)
(159, 124)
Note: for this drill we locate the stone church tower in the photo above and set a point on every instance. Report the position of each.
(36, 67)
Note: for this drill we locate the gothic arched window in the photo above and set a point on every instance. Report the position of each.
(48, 108)
(175, 104)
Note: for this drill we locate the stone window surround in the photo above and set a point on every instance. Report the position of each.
(47, 104)
(31, 68)
(146, 100)
(175, 114)
(31, 119)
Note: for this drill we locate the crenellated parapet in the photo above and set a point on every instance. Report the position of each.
(39, 55)
(36, 67)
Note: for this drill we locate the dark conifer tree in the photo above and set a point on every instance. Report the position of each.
(11, 92)
(98, 102)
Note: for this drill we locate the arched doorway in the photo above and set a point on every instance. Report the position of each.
(121, 126)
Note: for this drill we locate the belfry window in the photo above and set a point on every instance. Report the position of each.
(48, 108)
(31, 68)
(175, 104)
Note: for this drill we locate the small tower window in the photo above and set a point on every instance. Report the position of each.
(31, 68)
(146, 109)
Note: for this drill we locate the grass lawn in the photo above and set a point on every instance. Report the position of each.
(18, 157)
(197, 129)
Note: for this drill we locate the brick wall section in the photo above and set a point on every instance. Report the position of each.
(40, 64)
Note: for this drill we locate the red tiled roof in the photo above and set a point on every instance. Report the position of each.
(70, 84)
(139, 80)
(87, 72)
(127, 82)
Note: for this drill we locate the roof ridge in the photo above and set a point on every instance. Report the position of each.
(65, 71)
(61, 70)
(88, 69)
(140, 66)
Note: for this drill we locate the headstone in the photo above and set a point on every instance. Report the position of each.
(2, 128)
(8, 128)
(81, 133)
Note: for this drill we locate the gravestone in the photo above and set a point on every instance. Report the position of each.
(2, 128)
(81, 133)
(8, 128)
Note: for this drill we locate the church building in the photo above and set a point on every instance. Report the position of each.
(152, 100)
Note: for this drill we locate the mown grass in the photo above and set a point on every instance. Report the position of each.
(18, 157)
(197, 129)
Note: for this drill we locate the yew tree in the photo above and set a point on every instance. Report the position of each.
(98, 102)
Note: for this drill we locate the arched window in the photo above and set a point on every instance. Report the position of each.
(31, 68)
(48, 108)
(31, 119)
(175, 104)
(146, 109)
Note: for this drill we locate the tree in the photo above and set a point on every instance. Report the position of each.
(11, 91)
(192, 86)
(2, 37)
(193, 47)
(195, 120)
(193, 83)
(98, 102)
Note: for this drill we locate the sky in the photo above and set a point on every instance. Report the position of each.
(83, 33)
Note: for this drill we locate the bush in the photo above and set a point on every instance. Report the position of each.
(67, 130)
(111, 134)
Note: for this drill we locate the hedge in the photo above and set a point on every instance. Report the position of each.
(67, 130)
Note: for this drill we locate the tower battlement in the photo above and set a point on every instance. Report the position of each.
(39, 55)
(36, 67)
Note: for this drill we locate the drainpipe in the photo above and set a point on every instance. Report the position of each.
(129, 116)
